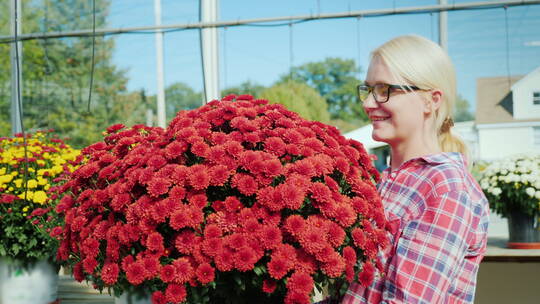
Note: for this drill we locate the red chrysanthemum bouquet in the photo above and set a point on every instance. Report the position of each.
(238, 201)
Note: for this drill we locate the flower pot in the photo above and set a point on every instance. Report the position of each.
(130, 298)
(35, 284)
(524, 231)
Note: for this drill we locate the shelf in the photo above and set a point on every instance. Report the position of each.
(498, 252)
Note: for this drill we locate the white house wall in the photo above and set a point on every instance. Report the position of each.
(523, 96)
(495, 143)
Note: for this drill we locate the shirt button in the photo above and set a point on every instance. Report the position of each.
(393, 174)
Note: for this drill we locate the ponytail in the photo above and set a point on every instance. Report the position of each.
(450, 142)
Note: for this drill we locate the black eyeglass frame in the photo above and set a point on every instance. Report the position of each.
(370, 89)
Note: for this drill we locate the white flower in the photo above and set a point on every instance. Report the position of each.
(537, 194)
(530, 191)
(495, 191)
(484, 184)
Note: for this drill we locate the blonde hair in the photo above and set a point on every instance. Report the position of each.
(423, 63)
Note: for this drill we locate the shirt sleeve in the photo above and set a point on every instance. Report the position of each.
(429, 251)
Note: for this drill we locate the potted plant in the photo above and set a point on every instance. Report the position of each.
(28, 168)
(238, 201)
(512, 186)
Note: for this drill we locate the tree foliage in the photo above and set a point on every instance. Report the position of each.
(56, 74)
(335, 80)
(246, 87)
(462, 110)
(300, 98)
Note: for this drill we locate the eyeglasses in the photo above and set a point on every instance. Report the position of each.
(381, 91)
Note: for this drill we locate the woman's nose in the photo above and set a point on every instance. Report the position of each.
(370, 102)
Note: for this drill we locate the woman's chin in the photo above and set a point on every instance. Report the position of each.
(380, 136)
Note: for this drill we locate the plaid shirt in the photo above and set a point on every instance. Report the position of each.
(439, 219)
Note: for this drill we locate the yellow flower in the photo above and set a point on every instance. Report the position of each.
(42, 181)
(32, 183)
(39, 197)
(29, 195)
(14, 173)
(47, 187)
(42, 172)
(25, 208)
(6, 178)
(55, 170)
(18, 182)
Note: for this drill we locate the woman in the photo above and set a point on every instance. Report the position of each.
(438, 214)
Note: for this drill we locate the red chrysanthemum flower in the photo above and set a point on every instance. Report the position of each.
(345, 215)
(205, 273)
(269, 286)
(154, 242)
(199, 178)
(212, 231)
(89, 264)
(367, 275)
(168, 273)
(175, 293)
(336, 234)
(295, 224)
(359, 238)
(90, 247)
(158, 186)
(179, 219)
(185, 241)
(224, 259)
(296, 297)
(158, 298)
(320, 192)
(177, 193)
(135, 273)
(278, 268)
(300, 281)
(245, 259)
(313, 240)
(200, 148)
(175, 149)
(270, 236)
(156, 161)
(184, 270)
(219, 175)
(246, 184)
(109, 273)
(232, 204)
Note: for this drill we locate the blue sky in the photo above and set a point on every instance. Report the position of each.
(476, 39)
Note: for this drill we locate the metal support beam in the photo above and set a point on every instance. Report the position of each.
(16, 68)
(209, 49)
(443, 27)
(161, 116)
(286, 19)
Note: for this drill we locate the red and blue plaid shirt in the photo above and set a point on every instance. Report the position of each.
(439, 217)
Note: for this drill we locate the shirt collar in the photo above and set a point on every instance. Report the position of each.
(434, 159)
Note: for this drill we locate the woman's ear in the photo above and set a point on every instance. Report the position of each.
(433, 101)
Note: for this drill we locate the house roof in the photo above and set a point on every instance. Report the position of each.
(494, 102)
(526, 78)
(363, 135)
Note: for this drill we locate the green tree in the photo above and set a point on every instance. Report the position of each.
(246, 87)
(300, 98)
(335, 80)
(57, 73)
(180, 96)
(462, 110)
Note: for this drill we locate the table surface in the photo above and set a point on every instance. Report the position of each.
(498, 252)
